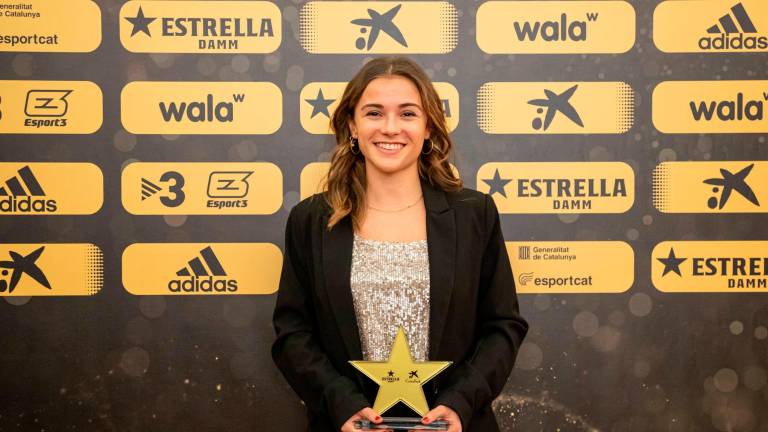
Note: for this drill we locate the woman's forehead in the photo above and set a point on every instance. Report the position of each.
(390, 90)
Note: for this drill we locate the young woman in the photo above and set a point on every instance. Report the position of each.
(395, 242)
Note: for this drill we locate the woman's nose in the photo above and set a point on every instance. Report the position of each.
(391, 124)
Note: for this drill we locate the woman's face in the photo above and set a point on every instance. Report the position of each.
(391, 125)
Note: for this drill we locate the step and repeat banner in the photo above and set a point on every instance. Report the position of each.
(151, 152)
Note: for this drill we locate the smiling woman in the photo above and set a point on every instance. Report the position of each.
(378, 254)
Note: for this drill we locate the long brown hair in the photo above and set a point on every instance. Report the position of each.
(346, 178)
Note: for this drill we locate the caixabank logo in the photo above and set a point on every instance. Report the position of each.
(50, 107)
(200, 26)
(51, 269)
(380, 27)
(201, 107)
(710, 106)
(711, 187)
(548, 267)
(49, 26)
(710, 266)
(711, 26)
(555, 27)
(201, 269)
(194, 188)
(558, 187)
(555, 107)
(318, 101)
(56, 188)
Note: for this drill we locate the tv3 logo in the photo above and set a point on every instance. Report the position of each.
(221, 184)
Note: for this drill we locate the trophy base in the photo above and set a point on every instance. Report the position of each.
(402, 424)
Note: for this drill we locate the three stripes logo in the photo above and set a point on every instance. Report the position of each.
(734, 30)
(203, 274)
(148, 188)
(22, 192)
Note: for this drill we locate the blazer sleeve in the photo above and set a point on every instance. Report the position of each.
(296, 352)
(500, 330)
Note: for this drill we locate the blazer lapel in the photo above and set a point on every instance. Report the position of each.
(337, 267)
(441, 242)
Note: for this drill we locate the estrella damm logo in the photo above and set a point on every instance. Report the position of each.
(710, 106)
(202, 188)
(378, 27)
(49, 26)
(710, 266)
(558, 187)
(50, 107)
(201, 268)
(555, 27)
(711, 26)
(318, 101)
(201, 107)
(555, 107)
(711, 187)
(200, 26)
(50, 269)
(50, 188)
(547, 267)
(314, 176)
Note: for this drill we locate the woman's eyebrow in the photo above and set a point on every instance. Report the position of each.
(402, 105)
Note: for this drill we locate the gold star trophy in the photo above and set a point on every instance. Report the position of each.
(400, 380)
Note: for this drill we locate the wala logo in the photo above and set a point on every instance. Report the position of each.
(733, 109)
(734, 30)
(24, 194)
(555, 30)
(203, 276)
(207, 110)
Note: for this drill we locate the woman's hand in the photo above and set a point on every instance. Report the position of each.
(363, 414)
(442, 412)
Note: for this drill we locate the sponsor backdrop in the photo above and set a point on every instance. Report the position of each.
(151, 152)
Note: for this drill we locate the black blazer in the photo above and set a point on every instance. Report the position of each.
(474, 317)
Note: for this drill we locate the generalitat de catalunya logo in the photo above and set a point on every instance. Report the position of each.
(50, 26)
(200, 26)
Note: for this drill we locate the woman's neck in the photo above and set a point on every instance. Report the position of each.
(392, 190)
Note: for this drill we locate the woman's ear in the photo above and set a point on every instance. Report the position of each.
(352, 128)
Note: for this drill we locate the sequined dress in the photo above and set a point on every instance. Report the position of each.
(390, 289)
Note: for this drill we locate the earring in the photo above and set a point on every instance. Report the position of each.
(354, 143)
(431, 146)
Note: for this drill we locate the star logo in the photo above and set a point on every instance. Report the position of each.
(23, 265)
(400, 362)
(671, 263)
(140, 23)
(497, 184)
(320, 104)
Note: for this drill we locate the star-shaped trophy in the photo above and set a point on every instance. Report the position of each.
(400, 380)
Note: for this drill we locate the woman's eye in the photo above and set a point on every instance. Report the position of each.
(372, 113)
(409, 114)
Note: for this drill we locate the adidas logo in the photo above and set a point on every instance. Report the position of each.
(203, 275)
(19, 192)
(731, 34)
(148, 188)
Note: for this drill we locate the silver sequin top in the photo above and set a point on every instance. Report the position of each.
(390, 289)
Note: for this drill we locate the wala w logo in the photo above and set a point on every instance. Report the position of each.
(738, 34)
(206, 275)
(729, 110)
(24, 188)
(562, 30)
(206, 110)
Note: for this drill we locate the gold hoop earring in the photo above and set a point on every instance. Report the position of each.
(354, 143)
(431, 146)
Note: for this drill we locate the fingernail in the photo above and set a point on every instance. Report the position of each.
(378, 418)
(425, 419)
